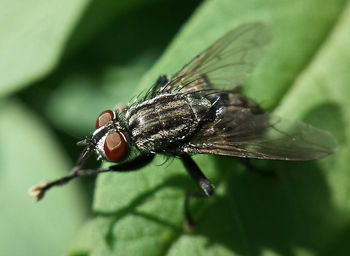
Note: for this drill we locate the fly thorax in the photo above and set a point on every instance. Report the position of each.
(164, 121)
(200, 106)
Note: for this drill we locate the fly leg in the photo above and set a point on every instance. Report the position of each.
(196, 174)
(133, 165)
(190, 224)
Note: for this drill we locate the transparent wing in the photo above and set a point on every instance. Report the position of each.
(226, 63)
(244, 134)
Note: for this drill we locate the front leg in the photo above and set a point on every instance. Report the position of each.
(132, 165)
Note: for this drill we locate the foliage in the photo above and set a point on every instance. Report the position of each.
(60, 71)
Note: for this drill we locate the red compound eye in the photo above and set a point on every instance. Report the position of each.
(104, 118)
(115, 147)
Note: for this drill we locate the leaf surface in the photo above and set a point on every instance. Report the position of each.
(303, 210)
(29, 154)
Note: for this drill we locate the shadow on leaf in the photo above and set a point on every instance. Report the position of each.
(177, 181)
(293, 211)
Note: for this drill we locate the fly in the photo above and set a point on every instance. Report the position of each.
(199, 111)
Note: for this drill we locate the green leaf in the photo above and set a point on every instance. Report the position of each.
(107, 11)
(36, 33)
(304, 209)
(32, 38)
(28, 155)
(84, 241)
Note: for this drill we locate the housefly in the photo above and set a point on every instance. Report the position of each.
(199, 111)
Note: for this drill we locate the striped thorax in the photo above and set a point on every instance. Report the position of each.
(161, 123)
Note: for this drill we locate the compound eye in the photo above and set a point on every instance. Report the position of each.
(115, 147)
(104, 118)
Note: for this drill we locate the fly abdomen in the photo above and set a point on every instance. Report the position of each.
(161, 123)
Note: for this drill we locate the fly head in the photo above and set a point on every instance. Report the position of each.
(107, 141)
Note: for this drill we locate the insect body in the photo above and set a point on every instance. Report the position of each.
(166, 121)
(199, 111)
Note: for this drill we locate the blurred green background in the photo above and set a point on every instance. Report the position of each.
(63, 62)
